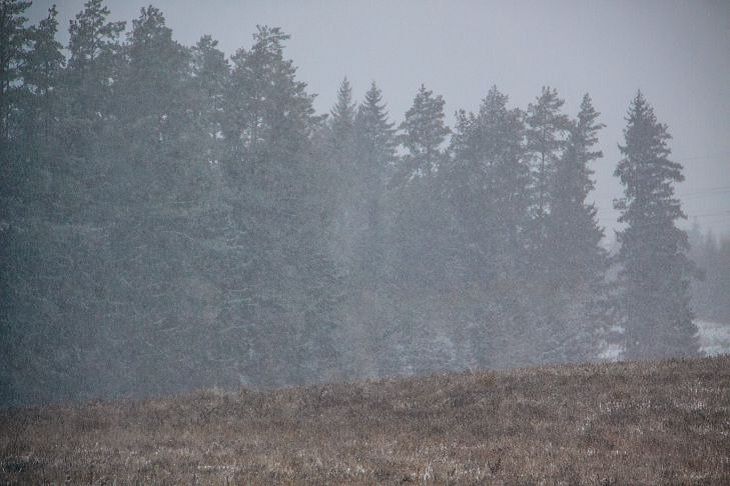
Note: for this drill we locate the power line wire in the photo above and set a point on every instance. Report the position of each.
(709, 191)
(717, 155)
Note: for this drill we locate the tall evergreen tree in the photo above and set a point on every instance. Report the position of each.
(89, 92)
(545, 139)
(574, 259)
(41, 74)
(573, 228)
(93, 48)
(16, 267)
(155, 119)
(655, 271)
(15, 38)
(487, 185)
(419, 212)
(343, 116)
(209, 82)
(269, 129)
(33, 107)
(376, 140)
(546, 130)
(375, 158)
(339, 184)
(422, 133)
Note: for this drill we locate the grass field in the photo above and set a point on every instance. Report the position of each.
(620, 423)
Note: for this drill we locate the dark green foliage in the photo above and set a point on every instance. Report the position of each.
(147, 249)
(174, 219)
(15, 38)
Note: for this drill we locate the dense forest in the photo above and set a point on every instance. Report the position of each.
(173, 219)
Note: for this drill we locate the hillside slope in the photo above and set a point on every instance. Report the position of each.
(660, 423)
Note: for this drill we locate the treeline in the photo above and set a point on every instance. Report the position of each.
(174, 219)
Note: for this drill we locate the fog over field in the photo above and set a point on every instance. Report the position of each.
(226, 194)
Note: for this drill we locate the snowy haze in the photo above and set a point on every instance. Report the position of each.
(676, 52)
(176, 218)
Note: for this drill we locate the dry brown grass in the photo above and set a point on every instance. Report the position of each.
(628, 423)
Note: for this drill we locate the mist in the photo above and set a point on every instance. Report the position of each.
(279, 194)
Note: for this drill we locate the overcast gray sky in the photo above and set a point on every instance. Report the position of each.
(677, 53)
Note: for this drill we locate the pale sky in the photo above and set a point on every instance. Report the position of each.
(677, 53)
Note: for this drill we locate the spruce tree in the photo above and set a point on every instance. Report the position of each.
(375, 158)
(342, 119)
(376, 140)
(655, 272)
(339, 184)
(573, 257)
(573, 228)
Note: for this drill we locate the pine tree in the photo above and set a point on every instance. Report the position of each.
(41, 74)
(88, 91)
(210, 73)
(487, 186)
(269, 126)
(419, 212)
(17, 318)
(574, 232)
(415, 240)
(45, 59)
(33, 109)
(573, 256)
(422, 133)
(93, 54)
(655, 271)
(545, 141)
(376, 140)
(165, 148)
(339, 183)
(545, 136)
(158, 180)
(342, 119)
(15, 38)
(375, 157)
